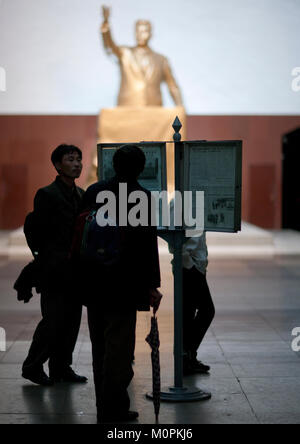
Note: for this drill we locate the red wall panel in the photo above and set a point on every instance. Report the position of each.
(262, 203)
(262, 145)
(29, 141)
(13, 194)
(26, 143)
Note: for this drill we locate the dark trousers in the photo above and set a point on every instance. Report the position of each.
(56, 334)
(198, 309)
(113, 339)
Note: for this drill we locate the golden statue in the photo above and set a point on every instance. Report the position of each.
(139, 115)
(142, 70)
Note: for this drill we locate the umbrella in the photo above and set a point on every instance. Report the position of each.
(153, 341)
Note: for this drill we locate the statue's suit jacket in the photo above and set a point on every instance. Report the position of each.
(141, 87)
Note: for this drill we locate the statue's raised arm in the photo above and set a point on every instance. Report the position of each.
(108, 42)
(142, 70)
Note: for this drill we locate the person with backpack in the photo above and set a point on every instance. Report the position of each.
(122, 276)
(49, 231)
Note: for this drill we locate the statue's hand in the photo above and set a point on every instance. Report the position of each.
(109, 45)
(106, 13)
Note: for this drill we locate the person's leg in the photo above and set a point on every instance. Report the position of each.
(68, 319)
(96, 329)
(40, 348)
(189, 307)
(202, 312)
(72, 328)
(205, 312)
(115, 360)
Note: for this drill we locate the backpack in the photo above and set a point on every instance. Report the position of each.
(96, 245)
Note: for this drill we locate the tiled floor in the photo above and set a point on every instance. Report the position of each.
(255, 375)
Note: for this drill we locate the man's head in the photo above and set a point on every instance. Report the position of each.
(129, 162)
(143, 32)
(67, 161)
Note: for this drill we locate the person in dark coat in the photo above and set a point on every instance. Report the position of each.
(116, 293)
(55, 210)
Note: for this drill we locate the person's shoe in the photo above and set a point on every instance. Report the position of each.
(118, 417)
(192, 366)
(69, 376)
(39, 378)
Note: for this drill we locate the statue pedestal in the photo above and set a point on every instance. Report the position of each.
(148, 123)
(140, 124)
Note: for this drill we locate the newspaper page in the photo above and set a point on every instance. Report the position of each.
(153, 178)
(212, 169)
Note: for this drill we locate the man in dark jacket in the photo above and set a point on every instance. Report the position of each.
(55, 210)
(117, 292)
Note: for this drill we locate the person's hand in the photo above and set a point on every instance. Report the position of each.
(155, 298)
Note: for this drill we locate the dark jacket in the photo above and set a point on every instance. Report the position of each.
(139, 271)
(56, 207)
(28, 279)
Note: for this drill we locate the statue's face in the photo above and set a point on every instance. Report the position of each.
(143, 34)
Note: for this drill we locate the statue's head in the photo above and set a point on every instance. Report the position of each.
(143, 32)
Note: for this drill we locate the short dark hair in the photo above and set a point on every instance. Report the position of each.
(129, 161)
(62, 150)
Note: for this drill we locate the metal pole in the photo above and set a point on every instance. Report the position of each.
(179, 393)
(177, 270)
(178, 340)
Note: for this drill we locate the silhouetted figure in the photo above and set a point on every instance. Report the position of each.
(117, 290)
(198, 307)
(55, 211)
